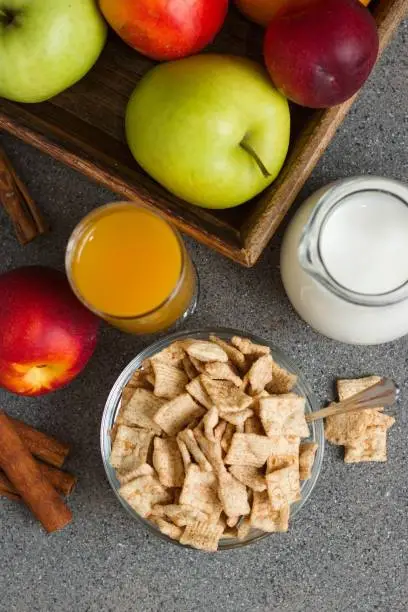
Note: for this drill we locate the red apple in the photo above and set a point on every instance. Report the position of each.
(46, 335)
(320, 52)
(165, 29)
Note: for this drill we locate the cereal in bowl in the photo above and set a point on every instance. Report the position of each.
(207, 442)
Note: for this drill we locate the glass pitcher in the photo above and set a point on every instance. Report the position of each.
(344, 260)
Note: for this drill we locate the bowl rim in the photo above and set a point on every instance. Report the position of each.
(113, 403)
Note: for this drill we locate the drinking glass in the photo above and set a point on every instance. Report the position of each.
(130, 267)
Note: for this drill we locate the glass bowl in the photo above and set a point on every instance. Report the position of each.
(113, 403)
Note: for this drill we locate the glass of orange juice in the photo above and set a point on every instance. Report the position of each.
(130, 267)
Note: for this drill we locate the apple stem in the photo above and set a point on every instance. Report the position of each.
(7, 17)
(256, 157)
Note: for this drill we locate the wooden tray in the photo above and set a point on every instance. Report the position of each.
(83, 127)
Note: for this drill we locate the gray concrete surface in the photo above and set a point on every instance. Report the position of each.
(348, 548)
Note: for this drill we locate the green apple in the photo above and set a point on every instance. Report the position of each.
(212, 129)
(47, 45)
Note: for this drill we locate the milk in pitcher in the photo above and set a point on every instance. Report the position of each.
(344, 260)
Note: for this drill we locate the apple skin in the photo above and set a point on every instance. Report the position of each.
(320, 52)
(49, 46)
(46, 335)
(165, 29)
(186, 120)
(260, 11)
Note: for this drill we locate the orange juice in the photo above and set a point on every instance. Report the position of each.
(130, 266)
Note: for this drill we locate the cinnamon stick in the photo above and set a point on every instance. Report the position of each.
(63, 482)
(7, 489)
(17, 202)
(23, 472)
(41, 445)
(6, 492)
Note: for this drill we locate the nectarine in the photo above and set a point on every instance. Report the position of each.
(46, 335)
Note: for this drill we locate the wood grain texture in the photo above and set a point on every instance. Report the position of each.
(83, 127)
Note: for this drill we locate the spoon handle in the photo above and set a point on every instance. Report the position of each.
(383, 393)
